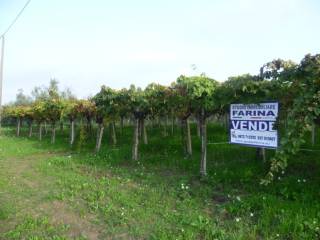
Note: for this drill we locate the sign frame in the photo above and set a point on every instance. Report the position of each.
(255, 145)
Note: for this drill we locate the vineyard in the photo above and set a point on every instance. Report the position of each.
(296, 87)
(171, 142)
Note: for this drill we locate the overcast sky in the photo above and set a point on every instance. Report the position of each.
(84, 44)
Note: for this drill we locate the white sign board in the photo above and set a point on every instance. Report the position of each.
(253, 124)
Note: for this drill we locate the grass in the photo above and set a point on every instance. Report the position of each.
(54, 192)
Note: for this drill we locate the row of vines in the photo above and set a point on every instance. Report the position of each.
(295, 86)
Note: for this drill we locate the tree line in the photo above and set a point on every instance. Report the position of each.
(295, 86)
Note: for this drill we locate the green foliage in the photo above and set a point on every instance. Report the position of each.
(86, 109)
(199, 90)
(106, 104)
(83, 137)
(70, 109)
(303, 109)
(243, 89)
(52, 109)
(179, 100)
(138, 102)
(123, 102)
(22, 99)
(295, 86)
(157, 96)
(39, 111)
(15, 111)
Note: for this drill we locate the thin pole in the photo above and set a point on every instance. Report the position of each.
(16, 18)
(1, 76)
(2, 52)
(313, 134)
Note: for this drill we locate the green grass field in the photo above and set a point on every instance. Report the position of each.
(54, 192)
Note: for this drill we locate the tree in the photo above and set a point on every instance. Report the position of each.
(29, 116)
(53, 110)
(156, 95)
(87, 111)
(200, 90)
(181, 100)
(122, 99)
(17, 113)
(67, 94)
(107, 111)
(140, 108)
(22, 99)
(39, 115)
(302, 100)
(70, 112)
(39, 93)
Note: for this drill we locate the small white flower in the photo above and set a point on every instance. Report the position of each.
(251, 214)
(69, 156)
(279, 178)
(278, 235)
(314, 222)
(304, 180)
(264, 198)
(282, 172)
(122, 213)
(238, 219)
(238, 198)
(299, 180)
(187, 187)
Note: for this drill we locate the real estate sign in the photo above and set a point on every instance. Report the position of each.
(253, 124)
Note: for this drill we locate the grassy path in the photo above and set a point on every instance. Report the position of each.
(28, 205)
(53, 195)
